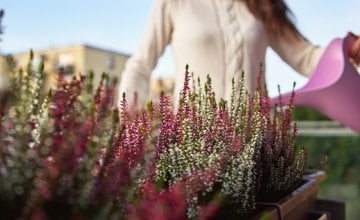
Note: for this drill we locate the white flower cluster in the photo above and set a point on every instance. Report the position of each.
(225, 142)
(239, 177)
(41, 122)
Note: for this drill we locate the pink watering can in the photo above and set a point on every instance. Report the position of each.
(334, 87)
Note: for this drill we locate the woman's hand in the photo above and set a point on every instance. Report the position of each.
(355, 50)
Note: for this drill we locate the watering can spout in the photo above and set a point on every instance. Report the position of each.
(333, 87)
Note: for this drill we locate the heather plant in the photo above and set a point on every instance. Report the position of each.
(69, 154)
(204, 135)
(48, 146)
(281, 163)
(250, 149)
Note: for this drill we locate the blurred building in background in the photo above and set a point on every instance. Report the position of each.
(71, 60)
(75, 59)
(164, 84)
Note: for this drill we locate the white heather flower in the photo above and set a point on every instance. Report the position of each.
(41, 122)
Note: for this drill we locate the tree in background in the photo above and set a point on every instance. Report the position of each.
(1, 16)
(308, 114)
(343, 164)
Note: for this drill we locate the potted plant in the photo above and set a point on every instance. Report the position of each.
(70, 154)
(250, 150)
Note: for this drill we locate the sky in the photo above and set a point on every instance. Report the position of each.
(119, 25)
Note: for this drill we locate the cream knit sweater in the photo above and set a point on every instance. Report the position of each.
(220, 38)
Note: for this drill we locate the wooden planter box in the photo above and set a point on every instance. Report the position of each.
(303, 204)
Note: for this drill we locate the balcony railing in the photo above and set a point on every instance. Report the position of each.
(323, 128)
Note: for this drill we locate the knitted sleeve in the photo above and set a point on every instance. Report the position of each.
(136, 75)
(300, 54)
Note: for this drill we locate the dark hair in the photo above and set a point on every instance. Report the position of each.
(275, 15)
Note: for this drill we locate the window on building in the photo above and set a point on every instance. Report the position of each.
(65, 64)
(110, 62)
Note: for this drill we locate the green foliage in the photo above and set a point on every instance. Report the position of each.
(343, 156)
(308, 114)
(342, 169)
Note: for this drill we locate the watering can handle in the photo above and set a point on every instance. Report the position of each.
(350, 40)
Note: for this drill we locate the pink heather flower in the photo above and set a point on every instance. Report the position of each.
(166, 127)
(164, 204)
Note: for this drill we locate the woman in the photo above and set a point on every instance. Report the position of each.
(220, 38)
